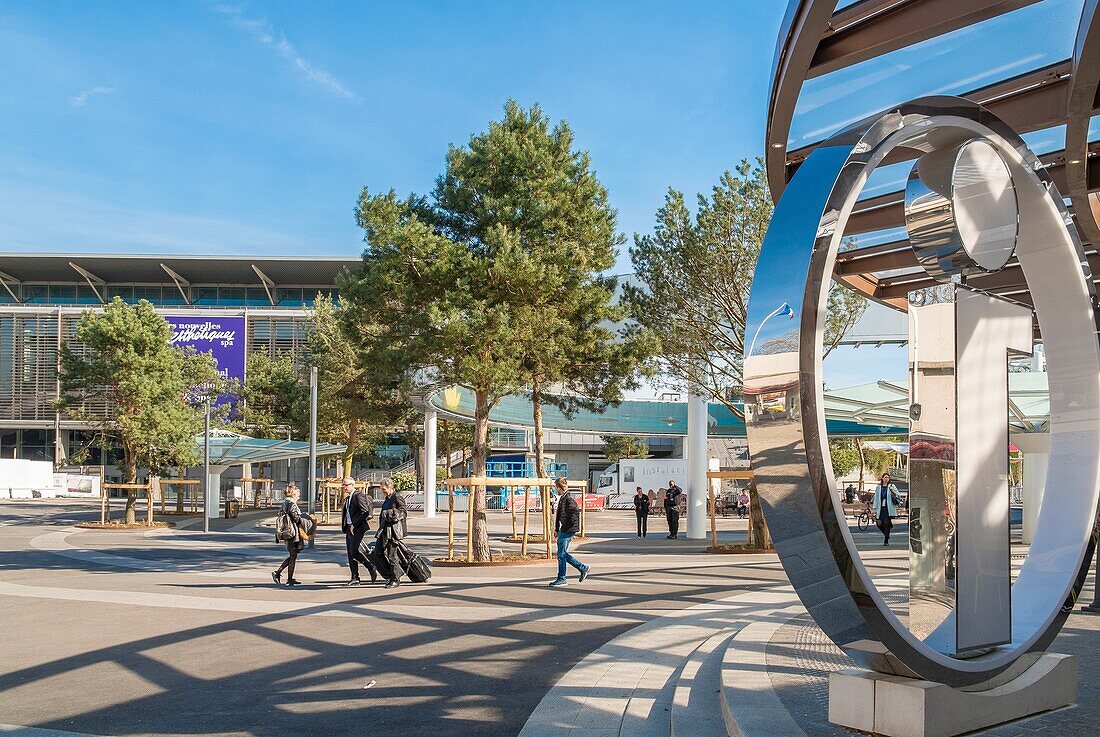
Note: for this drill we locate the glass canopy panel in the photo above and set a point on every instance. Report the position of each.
(955, 63)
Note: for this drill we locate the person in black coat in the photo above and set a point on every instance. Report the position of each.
(355, 522)
(672, 509)
(641, 511)
(567, 523)
(391, 528)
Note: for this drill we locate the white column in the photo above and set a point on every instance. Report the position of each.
(430, 455)
(213, 490)
(695, 450)
(1035, 481)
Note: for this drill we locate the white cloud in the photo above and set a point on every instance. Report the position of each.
(263, 32)
(80, 99)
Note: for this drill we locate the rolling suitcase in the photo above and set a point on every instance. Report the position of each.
(417, 567)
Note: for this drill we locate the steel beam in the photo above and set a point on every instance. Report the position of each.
(875, 27)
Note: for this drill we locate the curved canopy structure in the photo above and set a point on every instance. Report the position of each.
(633, 417)
(232, 449)
(1035, 64)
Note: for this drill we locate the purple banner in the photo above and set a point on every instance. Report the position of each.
(221, 337)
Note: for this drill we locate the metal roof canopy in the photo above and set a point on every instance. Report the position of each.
(815, 41)
(232, 449)
(645, 418)
(121, 268)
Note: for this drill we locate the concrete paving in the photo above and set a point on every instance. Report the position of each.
(181, 632)
(177, 631)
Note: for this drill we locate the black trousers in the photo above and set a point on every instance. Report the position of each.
(673, 521)
(885, 524)
(353, 541)
(643, 521)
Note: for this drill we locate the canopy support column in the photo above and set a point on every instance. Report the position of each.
(695, 451)
(430, 456)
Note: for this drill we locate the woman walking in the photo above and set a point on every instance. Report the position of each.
(293, 528)
(884, 506)
(391, 521)
(641, 511)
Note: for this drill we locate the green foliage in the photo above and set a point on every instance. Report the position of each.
(122, 357)
(617, 447)
(493, 282)
(356, 401)
(845, 457)
(276, 397)
(404, 481)
(878, 462)
(696, 275)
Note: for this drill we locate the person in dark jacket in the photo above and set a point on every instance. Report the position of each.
(672, 509)
(296, 543)
(391, 528)
(641, 511)
(567, 522)
(355, 522)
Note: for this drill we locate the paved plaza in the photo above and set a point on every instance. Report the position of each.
(180, 632)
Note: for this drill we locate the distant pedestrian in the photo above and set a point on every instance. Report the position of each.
(743, 505)
(672, 508)
(391, 528)
(641, 511)
(293, 528)
(884, 506)
(355, 522)
(567, 522)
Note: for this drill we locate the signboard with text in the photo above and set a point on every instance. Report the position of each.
(221, 337)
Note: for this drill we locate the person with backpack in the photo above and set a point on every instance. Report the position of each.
(672, 508)
(567, 523)
(355, 522)
(391, 528)
(293, 528)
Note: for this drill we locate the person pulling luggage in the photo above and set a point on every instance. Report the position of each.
(391, 529)
(355, 522)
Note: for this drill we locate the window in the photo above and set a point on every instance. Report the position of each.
(231, 296)
(152, 294)
(204, 296)
(36, 294)
(126, 293)
(257, 297)
(85, 295)
(288, 297)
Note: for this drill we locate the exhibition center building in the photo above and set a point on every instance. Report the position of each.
(247, 304)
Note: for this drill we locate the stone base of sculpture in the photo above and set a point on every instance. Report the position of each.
(907, 707)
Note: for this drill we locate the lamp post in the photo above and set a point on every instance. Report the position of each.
(206, 468)
(312, 439)
(784, 308)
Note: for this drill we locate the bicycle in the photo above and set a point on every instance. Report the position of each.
(867, 518)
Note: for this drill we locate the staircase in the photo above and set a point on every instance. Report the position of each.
(696, 673)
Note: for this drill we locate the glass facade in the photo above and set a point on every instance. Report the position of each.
(165, 295)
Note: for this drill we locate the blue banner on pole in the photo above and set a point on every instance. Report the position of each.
(221, 337)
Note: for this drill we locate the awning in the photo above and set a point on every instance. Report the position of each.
(233, 449)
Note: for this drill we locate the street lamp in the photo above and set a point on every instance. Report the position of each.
(784, 309)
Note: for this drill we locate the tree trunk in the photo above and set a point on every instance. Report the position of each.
(447, 444)
(758, 527)
(536, 407)
(353, 438)
(862, 462)
(130, 468)
(477, 493)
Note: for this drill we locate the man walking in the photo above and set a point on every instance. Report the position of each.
(355, 522)
(672, 508)
(391, 528)
(567, 522)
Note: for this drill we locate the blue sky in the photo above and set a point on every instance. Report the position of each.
(206, 127)
(237, 128)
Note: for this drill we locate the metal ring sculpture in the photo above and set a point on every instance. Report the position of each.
(790, 449)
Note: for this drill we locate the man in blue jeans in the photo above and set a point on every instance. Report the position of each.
(567, 523)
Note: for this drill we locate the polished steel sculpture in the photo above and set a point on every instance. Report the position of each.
(977, 198)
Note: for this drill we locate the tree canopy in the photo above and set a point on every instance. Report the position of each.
(122, 358)
(617, 447)
(694, 277)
